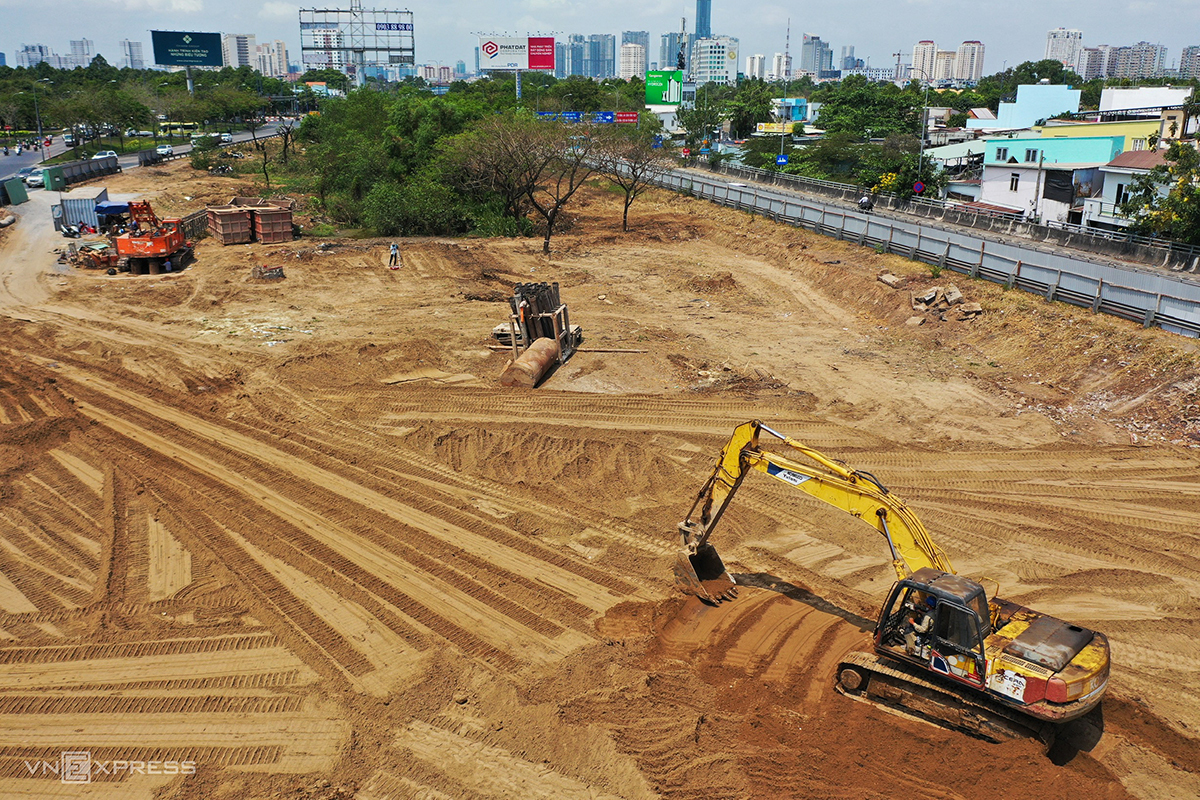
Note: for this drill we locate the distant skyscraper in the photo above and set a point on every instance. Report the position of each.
(131, 55)
(460, 69)
(3, 63)
(703, 19)
(82, 52)
(715, 60)
(924, 63)
(848, 60)
(815, 55)
(239, 50)
(633, 61)
(1142, 60)
(668, 54)
(781, 68)
(1091, 63)
(600, 58)
(756, 66)
(1189, 62)
(968, 63)
(271, 59)
(637, 37)
(30, 55)
(1064, 45)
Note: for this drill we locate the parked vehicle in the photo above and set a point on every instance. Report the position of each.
(69, 139)
(165, 150)
(35, 178)
(226, 138)
(105, 154)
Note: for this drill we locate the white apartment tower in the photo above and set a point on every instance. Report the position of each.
(943, 65)
(131, 55)
(1189, 62)
(781, 68)
(82, 52)
(968, 62)
(715, 60)
(756, 66)
(271, 59)
(633, 61)
(239, 50)
(1064, 45)
(924, 63)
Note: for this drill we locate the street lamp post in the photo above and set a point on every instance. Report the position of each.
(38, 115)
(924, 129)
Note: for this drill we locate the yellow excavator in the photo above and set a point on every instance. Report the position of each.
(943, 651)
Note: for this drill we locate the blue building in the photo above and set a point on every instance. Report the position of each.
(703, 19)
(1034, 103)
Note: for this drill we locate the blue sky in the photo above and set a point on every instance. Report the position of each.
(1014, 31)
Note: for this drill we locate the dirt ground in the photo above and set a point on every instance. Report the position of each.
(294, 534)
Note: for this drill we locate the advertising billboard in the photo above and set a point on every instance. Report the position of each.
(516, 52)
(187, 49)
(664, 87)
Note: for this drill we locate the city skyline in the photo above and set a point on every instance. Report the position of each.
(444, 32)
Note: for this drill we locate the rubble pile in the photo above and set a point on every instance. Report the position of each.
(942, 301)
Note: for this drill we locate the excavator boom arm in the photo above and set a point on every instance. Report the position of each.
(857, 493)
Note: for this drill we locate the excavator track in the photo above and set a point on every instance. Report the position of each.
(889, 686)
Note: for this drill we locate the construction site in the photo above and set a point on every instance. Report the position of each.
(273, 527)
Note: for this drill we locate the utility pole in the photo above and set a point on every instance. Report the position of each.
(787, 44)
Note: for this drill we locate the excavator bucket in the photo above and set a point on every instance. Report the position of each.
(704, 575)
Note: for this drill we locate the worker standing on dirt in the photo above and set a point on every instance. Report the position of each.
(394, 258)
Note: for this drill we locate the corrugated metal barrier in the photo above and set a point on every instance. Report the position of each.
(1151, 298)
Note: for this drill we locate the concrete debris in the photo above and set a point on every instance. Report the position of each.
(915, 321)
(969, 310)
(888, 279)
(953, 295)
(928, 297)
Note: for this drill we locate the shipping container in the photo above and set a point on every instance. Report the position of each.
(272, 224)
(230, 224)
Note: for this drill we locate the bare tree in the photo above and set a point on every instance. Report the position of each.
(633, 163)
(568, 155)
(286, 133)
(496, 158)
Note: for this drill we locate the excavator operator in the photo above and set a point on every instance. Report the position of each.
(917, 625)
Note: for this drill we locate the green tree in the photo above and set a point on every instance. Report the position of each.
(865, 109)
(751, 105)
(700, 121)
(1174, 213)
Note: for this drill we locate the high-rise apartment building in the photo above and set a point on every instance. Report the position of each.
(239, 50)
(668, 54)
(1142, 60)
(815, 55)
(714, 60)
(30, 55)
(82, 52)
(968, 62)
(272, 59)
(848, 60)
(781, 68)
(569, 56)
(943, 65)
(131, 55)
(633, 61)
(637, 37)
(756, 66)
(924, 61)
(1064, 45)
(460, 69)
(703, 19)
(1189, 63)
(600, 57)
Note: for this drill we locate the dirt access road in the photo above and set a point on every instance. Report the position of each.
(293, 535)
